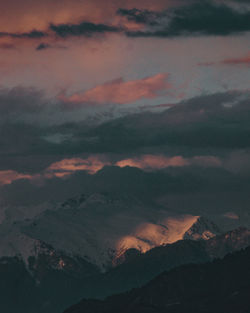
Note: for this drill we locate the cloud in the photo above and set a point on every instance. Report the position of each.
(153, 162)
(34, 34)
(183, 19)
(94, 163)
(157, 162)
(7, 46)
(7, 177)
(68, 166)
(199, 18)
(202, 131)
(218, 121)
(43, 46)
(18, 100)
(140, 16)
(120, 92)
(189, 186)
(231, 215)
(244, 60)
(158, 19)
(86, 29)
(237, 61)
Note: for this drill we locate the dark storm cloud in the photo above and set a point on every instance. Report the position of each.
(82, 29)
(199, 18)
(34, 34)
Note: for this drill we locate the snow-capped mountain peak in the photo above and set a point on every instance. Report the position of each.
(202, 229)
(100, 228)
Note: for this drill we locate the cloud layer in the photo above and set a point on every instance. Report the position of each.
(193, 18)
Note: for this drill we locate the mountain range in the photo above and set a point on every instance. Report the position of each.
(96, 245)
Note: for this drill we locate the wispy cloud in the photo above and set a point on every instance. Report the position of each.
(34, 34)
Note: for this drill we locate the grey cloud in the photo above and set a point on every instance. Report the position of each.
(34, 34)
(131, 182)
(141, 16)
(43, 46)
(214, 125)
(202, 122)
(86, 29)
(198, 18)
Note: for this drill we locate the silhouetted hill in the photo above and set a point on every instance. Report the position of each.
(216, 287)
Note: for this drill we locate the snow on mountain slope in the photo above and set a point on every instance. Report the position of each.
(149, 235)
(14, 243)
(202, 229)
(100, 228)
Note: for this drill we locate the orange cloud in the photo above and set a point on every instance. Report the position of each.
(150, 162)
(153, 162)
(93, 164)
(68, 166)
(7, 177)
(119, 91)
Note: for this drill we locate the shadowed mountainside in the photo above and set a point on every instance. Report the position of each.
(219, 286)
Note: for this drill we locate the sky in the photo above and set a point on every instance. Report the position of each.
(145, 92)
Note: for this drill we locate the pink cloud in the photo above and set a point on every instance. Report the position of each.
(121, 92)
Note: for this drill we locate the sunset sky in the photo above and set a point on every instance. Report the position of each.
(161, 86)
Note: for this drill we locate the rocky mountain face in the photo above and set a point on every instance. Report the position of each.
(219, 286)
